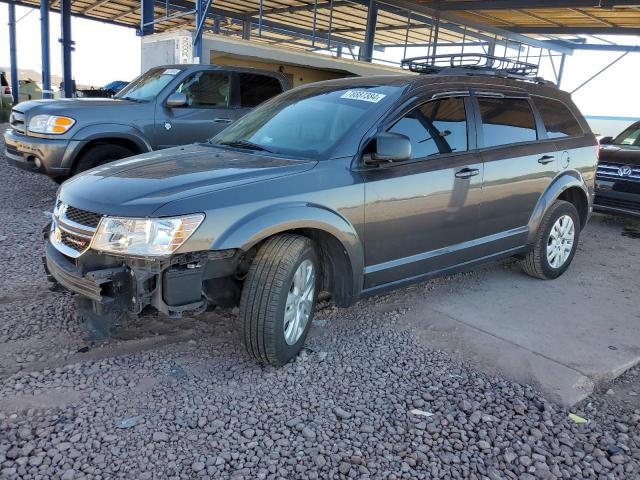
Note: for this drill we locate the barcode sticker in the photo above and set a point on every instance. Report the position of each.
(363, 96)
(171, 71)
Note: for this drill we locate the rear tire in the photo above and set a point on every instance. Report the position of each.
(100, 154)
(278, 298)
(556, 242)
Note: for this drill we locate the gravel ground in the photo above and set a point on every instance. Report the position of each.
(182, 400)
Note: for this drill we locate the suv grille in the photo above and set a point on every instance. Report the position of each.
(16, 120)
(617, 203)
(72, 229)
(83, 217)
(619, 171)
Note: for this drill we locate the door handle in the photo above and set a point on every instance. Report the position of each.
(223, 120)
(467, 173)
(543, 160)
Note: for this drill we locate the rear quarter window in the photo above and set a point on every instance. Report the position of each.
(558, 120)
(255, 89)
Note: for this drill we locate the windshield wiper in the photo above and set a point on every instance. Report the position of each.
(245, 144)
(132, 99)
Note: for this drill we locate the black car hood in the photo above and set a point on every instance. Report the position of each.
(140, 185)
(625, 154)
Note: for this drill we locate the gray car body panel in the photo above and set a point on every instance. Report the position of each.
(396, 223)
(109, 119)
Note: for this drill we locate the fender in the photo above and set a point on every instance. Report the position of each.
(564, 181)
(261, 224)
(104, 130)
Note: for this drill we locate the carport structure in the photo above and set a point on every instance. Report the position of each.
(530, 30)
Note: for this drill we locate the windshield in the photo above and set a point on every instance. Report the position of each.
(631, 136)
(307, 122)
(148, 85)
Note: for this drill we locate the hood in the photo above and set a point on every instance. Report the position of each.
(138, 186)
(69, 106)
(626, 154)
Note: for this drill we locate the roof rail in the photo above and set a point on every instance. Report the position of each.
(474, 64)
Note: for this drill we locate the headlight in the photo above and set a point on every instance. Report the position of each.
(144, 236)
(50, 124)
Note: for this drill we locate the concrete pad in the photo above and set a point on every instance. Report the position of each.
(564, 335)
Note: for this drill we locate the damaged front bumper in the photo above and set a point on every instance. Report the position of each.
(184, 283)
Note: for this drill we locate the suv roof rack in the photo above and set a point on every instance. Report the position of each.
(475, 64)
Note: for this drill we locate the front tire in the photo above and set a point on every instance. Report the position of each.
(556, 242)
(100, 154)
(278, 299)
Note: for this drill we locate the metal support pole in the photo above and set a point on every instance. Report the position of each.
(246, 29)
(366, 53)
(339, 51)
(13, 53)
(216, 25)
(197, 35)
(146, 17)
(406, 35)
(67, 47)
(436, 33)
(315, 16)
(561, 70)
(260, 19)
(330, 25)
(44, 40)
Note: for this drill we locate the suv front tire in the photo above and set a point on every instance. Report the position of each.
(556, 242)
(278, 299)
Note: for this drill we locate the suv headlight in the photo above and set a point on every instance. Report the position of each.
(144, 236)
(52, 124)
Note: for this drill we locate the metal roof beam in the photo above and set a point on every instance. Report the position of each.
(455, 19)
(95, 5)
(576, 30)
(601, 48)
(307, 7)
(519, 4)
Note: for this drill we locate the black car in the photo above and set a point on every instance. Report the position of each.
(618, 175)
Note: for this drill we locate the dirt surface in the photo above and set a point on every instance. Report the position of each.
(372, 396)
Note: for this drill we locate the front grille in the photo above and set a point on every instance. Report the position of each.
(72, 229)
(618, 203)
(16, 120)
(83, 217)
(75, 242)
(619, 171)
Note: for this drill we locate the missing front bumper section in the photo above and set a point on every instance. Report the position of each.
(173, 286)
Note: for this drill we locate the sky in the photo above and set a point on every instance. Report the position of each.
(104, 53)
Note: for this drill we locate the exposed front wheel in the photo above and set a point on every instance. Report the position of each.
(278, 298)
(556, 242)
(100, 154)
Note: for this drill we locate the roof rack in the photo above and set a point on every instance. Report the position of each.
(474, 64)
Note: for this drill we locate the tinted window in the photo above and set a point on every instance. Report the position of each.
(206, 89)
(436, 127)
(506, 120)
(558, 120)
(631, 136)
(255, 89)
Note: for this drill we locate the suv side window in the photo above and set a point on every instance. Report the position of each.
(206, 90)
(557, 118)
(506, 120)
(255, 89)
(435, 127)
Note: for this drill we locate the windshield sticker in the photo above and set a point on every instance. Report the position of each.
(363, 96)
(171, 71)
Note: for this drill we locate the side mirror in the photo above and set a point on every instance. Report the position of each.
(177, 100)
(390, 147)
(605, 140)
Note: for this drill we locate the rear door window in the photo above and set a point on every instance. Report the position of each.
(506, 120)
(436, 127)
(557, 118)
(255, 89)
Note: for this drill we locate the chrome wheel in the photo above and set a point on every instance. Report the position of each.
(560, 242)
(299, 302)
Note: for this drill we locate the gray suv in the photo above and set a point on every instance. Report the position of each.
(164, 107)
(350, 187)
